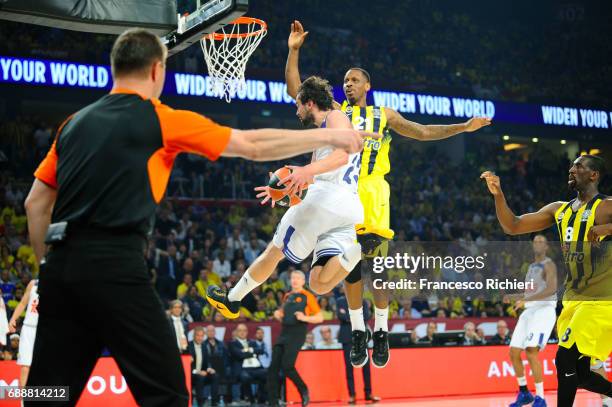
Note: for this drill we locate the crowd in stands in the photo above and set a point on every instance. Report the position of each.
(492, 51)
(195, 244)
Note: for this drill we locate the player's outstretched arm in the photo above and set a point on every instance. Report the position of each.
(516, 225)
(277, 144)
(431, 132)
(292, 72)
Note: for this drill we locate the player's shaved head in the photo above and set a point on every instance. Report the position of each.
(595, 163)
(586, 170)
(356, 86)
(365, 73)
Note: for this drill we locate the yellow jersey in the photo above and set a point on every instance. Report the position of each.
(375, 154)
(589, 266)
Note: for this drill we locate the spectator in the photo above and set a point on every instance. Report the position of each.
(196, 304)
(252, 251)
(309, 342)
(188, 266)
(414, 337)
(471, 337)
(7, 286)
(206, 278)
(202, 373)
(222, 266)
(217, 355)
(502, 337)
(261, 314)
(246, 367)
(273, 283)
(266, 356)
(326, 309)
(11, 350)
(168, 274)
(432, 328)
(327, 341)
(236, 241)
(184, 287)
(178, 323)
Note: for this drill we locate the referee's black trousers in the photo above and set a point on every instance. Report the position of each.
(95, 292)
(283, 357)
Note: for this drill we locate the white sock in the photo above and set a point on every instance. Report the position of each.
(521, 381)
(381, 316)
(357, 323)
(245, 285)
(350, 257)
(540, 389)
(607, 401)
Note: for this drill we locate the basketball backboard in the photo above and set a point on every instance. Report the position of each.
(113, 17)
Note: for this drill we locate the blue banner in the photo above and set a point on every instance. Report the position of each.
(76, 75)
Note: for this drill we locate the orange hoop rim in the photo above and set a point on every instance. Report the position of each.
(240, 20)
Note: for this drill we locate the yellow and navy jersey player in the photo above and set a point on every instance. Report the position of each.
(373, 189)
(375, 162)
(584, 225)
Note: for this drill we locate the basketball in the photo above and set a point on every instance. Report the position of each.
(279, 192)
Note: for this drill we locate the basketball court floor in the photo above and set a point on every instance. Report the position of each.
(583, 399)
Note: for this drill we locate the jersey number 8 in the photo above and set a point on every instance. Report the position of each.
(569, 234)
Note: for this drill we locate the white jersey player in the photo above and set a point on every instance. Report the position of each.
(29, 301)
(535, 323)
(323, 223)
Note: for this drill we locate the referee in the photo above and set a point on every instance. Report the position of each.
(299, 308)
(99, 186)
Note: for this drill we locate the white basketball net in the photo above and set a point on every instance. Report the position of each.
(227, 52)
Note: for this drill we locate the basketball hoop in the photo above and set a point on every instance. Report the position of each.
(227, 52)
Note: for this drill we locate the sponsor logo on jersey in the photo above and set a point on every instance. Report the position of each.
(585, 215)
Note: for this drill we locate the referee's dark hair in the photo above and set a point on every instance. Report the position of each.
(596, 163)
(135, 51)
(318, 90)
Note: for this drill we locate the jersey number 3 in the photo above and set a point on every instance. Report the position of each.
(569, 234)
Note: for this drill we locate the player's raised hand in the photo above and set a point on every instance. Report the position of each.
(298, 180)
(493, 182)
(264, 193)
(297, 35)
(476, 123)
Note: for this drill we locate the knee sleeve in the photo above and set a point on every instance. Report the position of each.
(566, 361)
(355, 275)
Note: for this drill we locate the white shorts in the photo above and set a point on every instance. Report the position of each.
(26, 345)
(534, 327)
(309, 227)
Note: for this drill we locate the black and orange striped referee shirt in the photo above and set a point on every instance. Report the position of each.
(111, 161)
